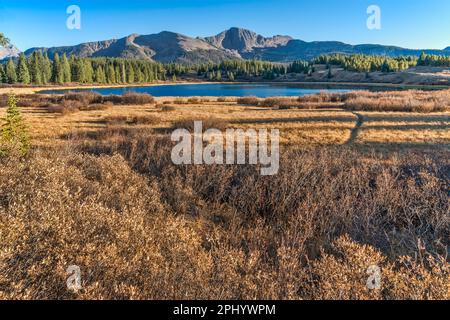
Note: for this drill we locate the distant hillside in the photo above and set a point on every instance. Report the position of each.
(301, 50)
(162, 47)
(234, 43)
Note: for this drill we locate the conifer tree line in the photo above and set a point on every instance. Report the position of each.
(366, 63)
(433, 60)
(232, 69)
(39, 69)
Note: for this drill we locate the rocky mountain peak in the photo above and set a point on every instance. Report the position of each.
(243, 40)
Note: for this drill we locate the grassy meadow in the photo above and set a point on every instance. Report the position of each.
(364, 180)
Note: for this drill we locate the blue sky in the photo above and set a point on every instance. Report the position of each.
(408, 23)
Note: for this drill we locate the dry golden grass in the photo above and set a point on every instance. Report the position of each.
(299, 127)
(355, 188)
(402, 101)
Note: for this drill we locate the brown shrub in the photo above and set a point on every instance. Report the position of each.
(166, 108)
(134, 98)
(114, 99)
(71, 106)
(97, 106)
(248, 101)
(84, 97)
(274, 101)
(179, 101)
(226, 99)
(132, 120)
(404, 104)
(207, 123)
(194, 100)
(65, 107)
(323, 97)
(281, 103)
(3, 100)
(219, 232)
(54, 108)
(27, 102)
(403, 101)
(343, 273)
(130, 98)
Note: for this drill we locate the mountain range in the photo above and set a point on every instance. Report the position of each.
(235, 43)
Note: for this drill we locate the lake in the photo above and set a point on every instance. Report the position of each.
(212, 89)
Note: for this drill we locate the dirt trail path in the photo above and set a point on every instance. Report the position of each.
(356, 129)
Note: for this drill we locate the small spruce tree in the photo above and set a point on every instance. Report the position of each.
(23, 75)
(65, 67)
(14, 139)
(11, 75)
(2, 74)
(57, 75)
(330, 73)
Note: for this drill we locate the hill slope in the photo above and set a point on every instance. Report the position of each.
(163, 47)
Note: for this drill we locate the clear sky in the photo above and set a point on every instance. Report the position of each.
(421, 24)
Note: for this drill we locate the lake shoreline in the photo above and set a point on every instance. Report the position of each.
(314, 85)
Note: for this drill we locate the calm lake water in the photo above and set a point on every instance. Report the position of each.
(187, 90)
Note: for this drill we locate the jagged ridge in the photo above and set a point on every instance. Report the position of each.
(235, 43)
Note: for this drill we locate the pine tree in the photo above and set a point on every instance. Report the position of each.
(118, 73)
(11, 75)
(2, 74)
(58, 75)
(99, 75)
(110, 74)
(46, 69)
(14, 134)
(35, 68)
(130, 73)
(23, 75)
(422, 59)
(73, 69)
(123, 73)
(330, 73)
(65, 67)
(78, 72)
(139, 75)
(385, 67)
(88, 71)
